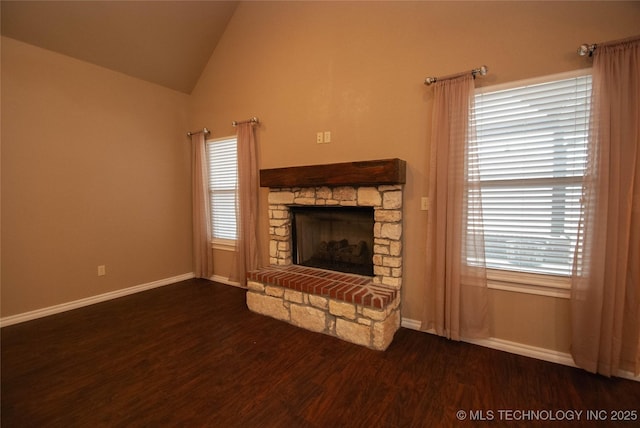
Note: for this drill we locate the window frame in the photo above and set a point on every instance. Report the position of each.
(224, 244)
(558, 286)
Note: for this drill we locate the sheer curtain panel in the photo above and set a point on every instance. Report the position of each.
(247, 251)
(456, 285)
(605, 300)
(202, 255)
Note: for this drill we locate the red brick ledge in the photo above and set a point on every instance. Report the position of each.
(349, 288)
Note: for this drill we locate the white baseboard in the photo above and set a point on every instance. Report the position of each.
(226, 281)
(51, 310)
(538, 353)
(526, 350)
(411, 324)
(507, 346)
(625, 374)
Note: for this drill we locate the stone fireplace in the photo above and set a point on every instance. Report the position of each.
(362, 307)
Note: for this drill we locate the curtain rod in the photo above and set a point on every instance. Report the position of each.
(254, 120)
(482, 71)
(204, 131)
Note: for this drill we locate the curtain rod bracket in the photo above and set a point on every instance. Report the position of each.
(587, 50)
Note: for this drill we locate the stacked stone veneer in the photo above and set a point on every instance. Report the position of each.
(387, 229)
(357, 321)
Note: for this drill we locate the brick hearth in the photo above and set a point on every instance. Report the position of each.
(348, 288)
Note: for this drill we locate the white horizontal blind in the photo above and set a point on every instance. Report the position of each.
(223, 178)
(530, 150)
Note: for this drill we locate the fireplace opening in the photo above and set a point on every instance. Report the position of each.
(335, 238)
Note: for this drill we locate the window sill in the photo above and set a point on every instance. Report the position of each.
(528, 283)
(223, 244)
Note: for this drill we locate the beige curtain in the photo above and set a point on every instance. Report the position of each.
(247, 250)
(605, 300)
(202, 255)
(456, 285)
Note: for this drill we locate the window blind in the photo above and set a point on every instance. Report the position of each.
(529, 155)
(223, 178)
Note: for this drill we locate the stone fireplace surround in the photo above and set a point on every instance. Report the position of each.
(359, 309)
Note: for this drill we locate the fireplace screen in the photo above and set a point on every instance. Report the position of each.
(335, 238)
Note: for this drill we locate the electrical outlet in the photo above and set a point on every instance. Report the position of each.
(424, 204)
(319, 138)
(327, 136)
(102, 270)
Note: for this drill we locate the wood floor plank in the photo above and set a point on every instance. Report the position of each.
(192, 354)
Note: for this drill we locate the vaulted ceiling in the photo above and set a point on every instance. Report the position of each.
(164, 42)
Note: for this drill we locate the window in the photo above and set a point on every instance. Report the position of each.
(223, 178)
(530, 150)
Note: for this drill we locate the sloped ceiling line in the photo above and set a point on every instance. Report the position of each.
(164, 42)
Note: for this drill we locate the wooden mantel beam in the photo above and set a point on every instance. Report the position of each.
(362, 173)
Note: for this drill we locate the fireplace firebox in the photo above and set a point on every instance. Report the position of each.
(335, 238)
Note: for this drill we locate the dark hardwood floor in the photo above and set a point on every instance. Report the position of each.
(191, 354)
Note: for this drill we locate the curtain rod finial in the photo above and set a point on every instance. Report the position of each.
(586, 50)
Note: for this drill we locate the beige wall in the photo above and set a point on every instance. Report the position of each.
(95, 167)
(356, 69)
(95, 171)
